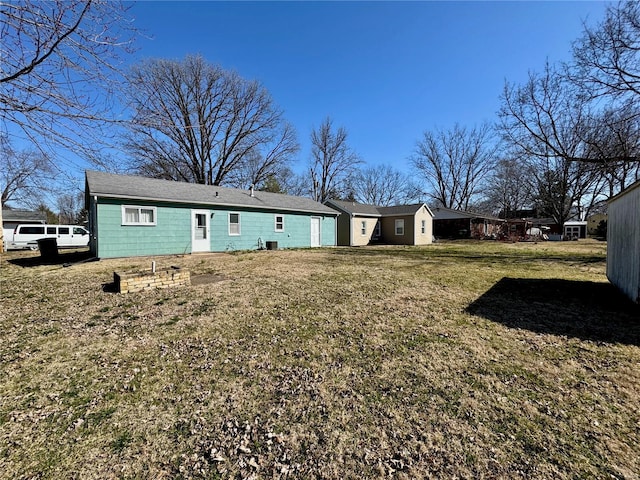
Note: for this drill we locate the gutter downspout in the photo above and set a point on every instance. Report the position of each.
(94, 224)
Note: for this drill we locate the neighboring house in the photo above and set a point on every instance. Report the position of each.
(12, 218)
(361, 224)
(623, 241)
(448, 223)
(131, 216)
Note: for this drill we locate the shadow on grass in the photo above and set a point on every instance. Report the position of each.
(586, 310)
(64, 258)
(417, 253)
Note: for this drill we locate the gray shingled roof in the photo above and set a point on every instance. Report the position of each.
(23, 216)
(401, 209)
(362, 209)
(355, 208)
(128, 187)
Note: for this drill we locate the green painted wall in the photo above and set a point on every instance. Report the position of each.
(256, 225)
(172, 232)
(170, 235)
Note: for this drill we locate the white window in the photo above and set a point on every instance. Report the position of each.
(279, 219)
(132, 215)
(363, 227)
(400, 226)
(423, 227)
(234, 224)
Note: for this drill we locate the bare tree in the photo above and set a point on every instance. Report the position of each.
(508, 187)
(559, 186)
(547, 123)
(333, 161)
(293, 183)
(455, 163)
(606, 57)
(60, 62)
(544, 117)
(24, 175)
(196, 122)
(606, 70)
(382, 185)
(613, 136)
(70, 207)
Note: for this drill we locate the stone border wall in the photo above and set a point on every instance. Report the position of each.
(137, 281)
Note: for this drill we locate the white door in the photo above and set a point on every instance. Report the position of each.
(315, 231)
(64, 237)
(200, 231)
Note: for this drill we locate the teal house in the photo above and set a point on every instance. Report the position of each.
(135, 216)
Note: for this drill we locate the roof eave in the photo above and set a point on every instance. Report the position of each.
(200, 202)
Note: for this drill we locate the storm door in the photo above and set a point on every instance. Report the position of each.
(200, 231)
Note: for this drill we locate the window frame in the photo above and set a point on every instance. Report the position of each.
(234, 223)
(399, 222)
(423, 227)
(363, 228)
(32, 230)
(140, 208)
(275, 223)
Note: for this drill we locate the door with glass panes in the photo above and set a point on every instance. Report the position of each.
(200, 231)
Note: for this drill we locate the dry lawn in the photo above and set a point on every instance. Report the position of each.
(456, 360)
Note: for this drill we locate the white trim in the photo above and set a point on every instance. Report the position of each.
(115, 196)
(275, 222)
(202, 244)
(395, 225)
(139, 208)
(319, 219)
(229, 224)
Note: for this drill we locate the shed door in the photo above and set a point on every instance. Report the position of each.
(315, 231)
(200, 231)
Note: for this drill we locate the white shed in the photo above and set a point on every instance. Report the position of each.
(574, 230)
(623, 241)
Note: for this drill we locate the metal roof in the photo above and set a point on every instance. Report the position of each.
(443, 213)
(127, 187)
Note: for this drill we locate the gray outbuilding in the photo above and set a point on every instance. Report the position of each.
(623, 241)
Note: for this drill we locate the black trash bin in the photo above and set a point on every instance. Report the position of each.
(48, 247)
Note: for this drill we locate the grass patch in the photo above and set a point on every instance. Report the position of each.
(459, 359)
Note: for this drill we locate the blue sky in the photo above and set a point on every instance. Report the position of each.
(386, 71)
